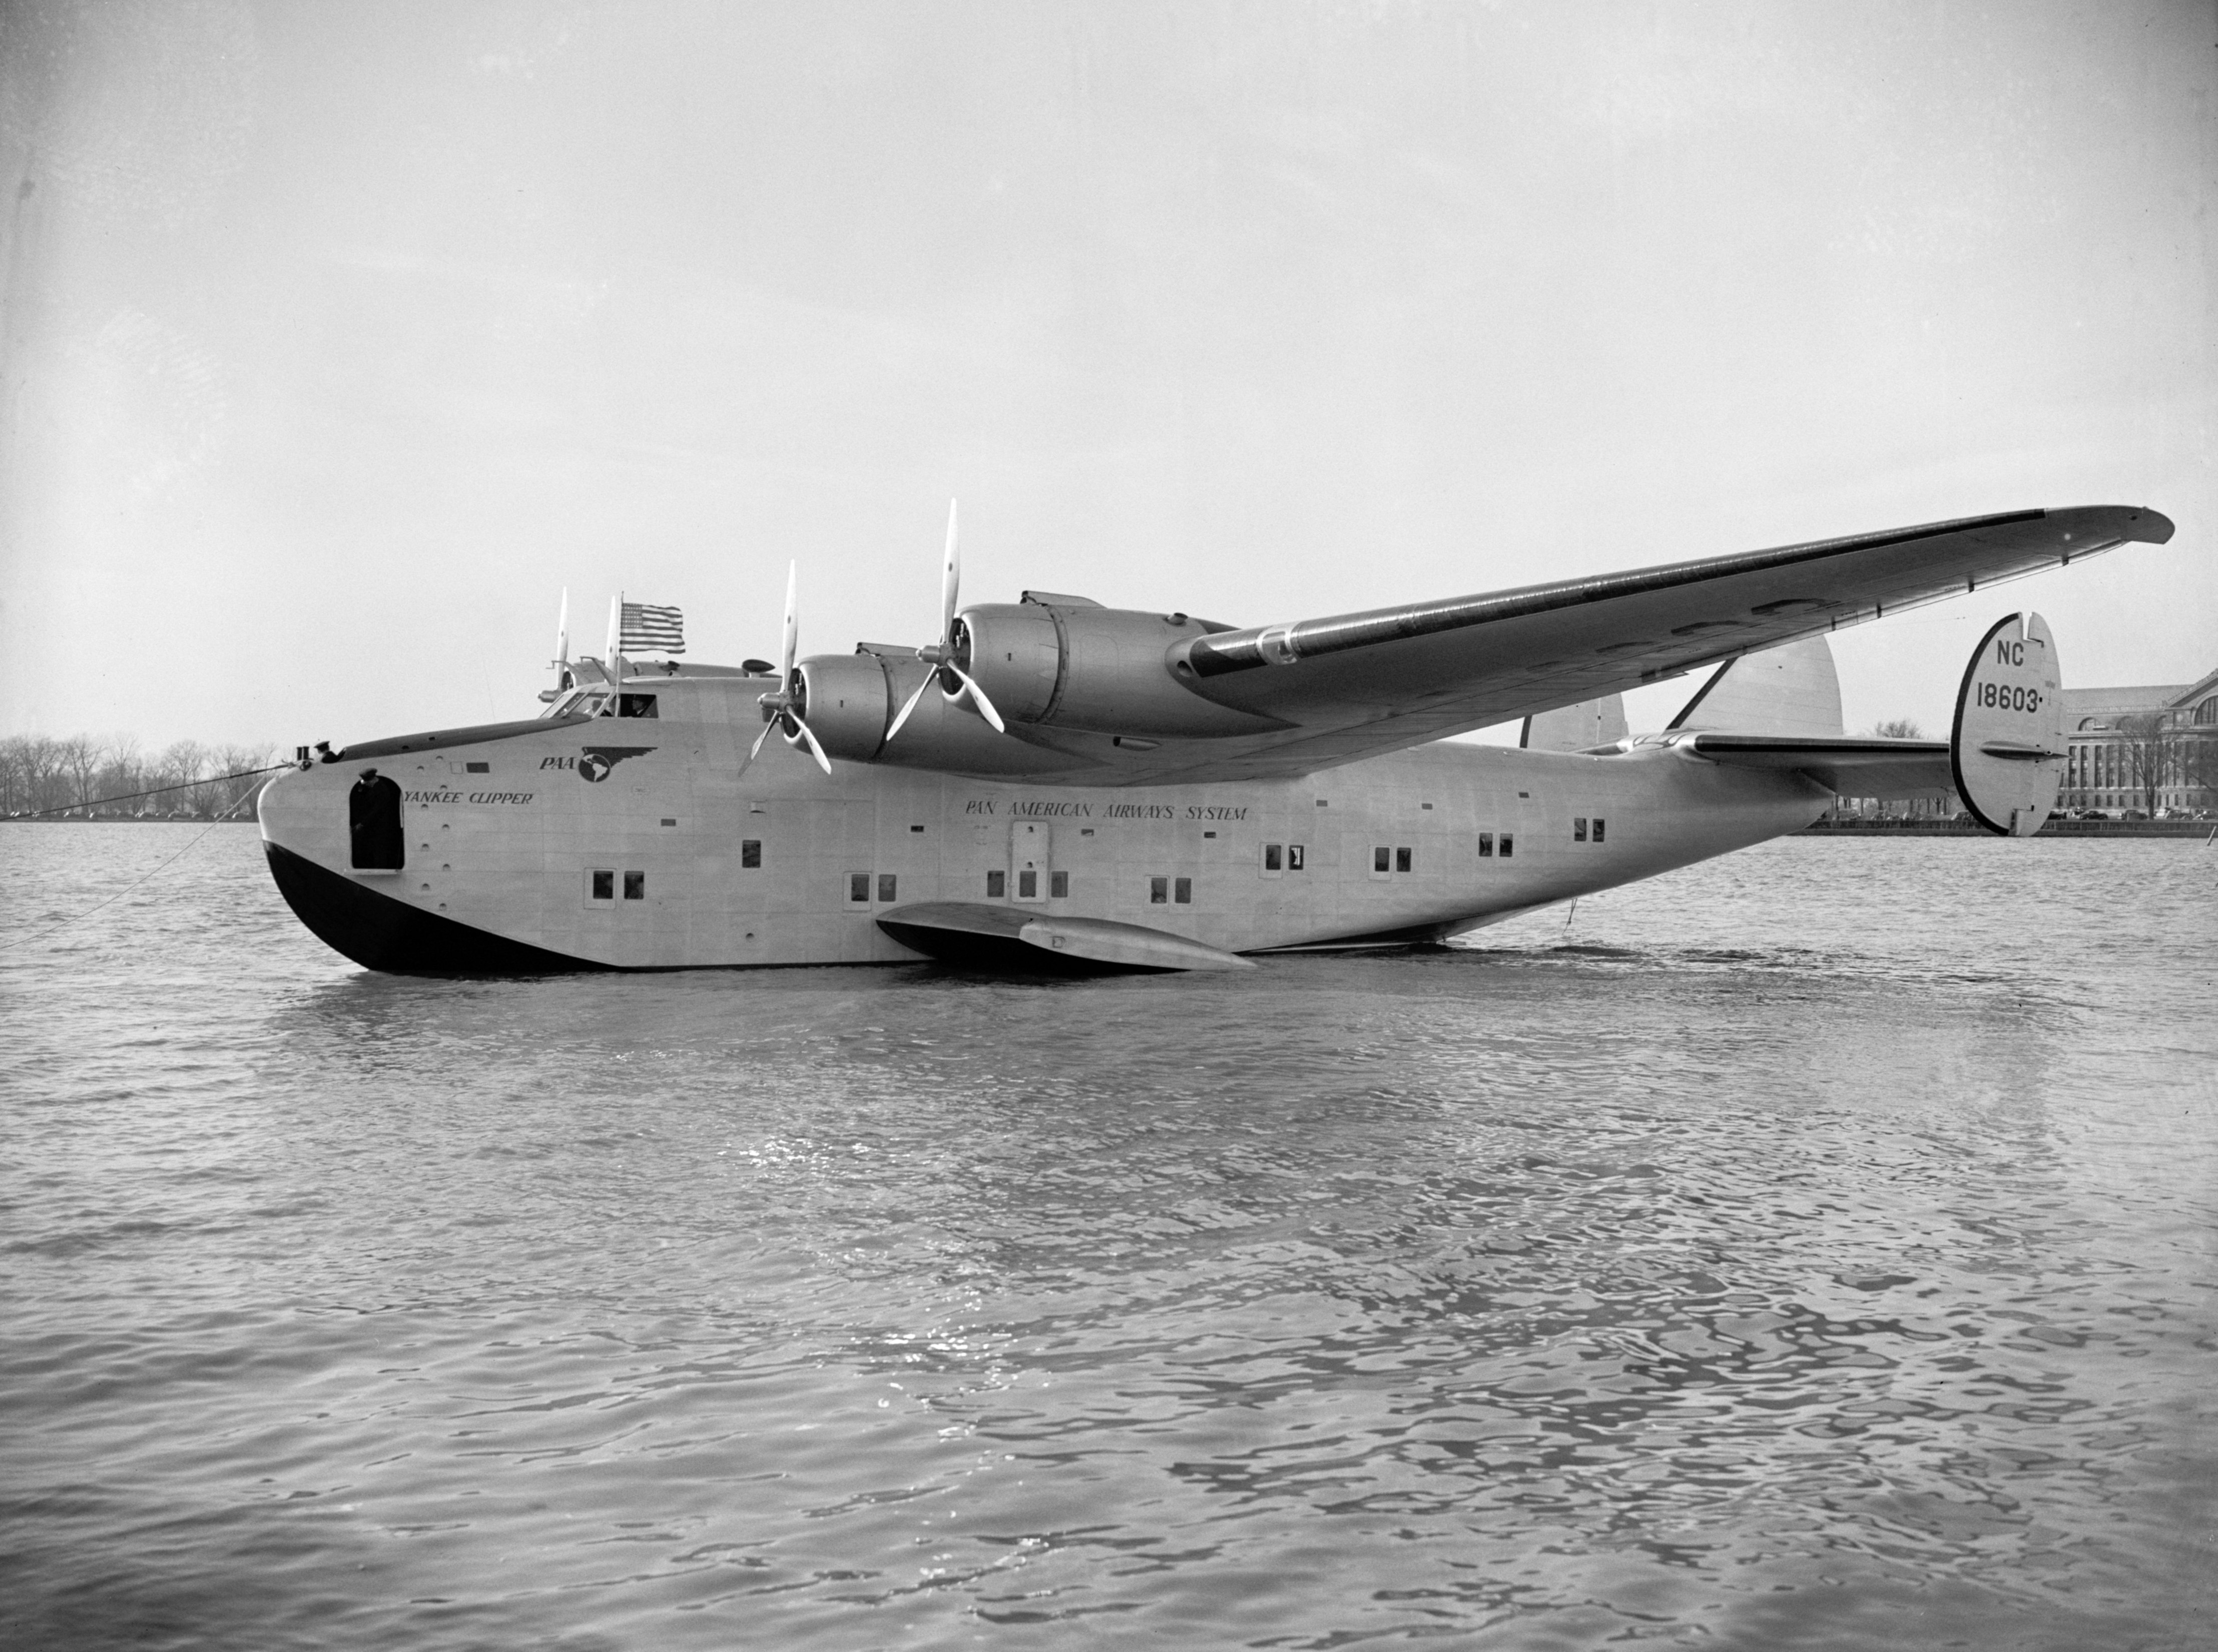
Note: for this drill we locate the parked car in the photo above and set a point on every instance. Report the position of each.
(2133, 815)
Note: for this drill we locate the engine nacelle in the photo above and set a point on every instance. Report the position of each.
(846, 703)
(1101, 670)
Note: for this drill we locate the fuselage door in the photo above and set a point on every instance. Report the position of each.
(379, 839)
(1028, 860)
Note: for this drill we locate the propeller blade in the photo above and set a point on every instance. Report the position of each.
(978, 697)
(755, 750)
(902, 716)
(815, 750)
(792, 625)
(950, 580)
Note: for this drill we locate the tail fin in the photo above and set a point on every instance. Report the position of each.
(1577, 728)
(1790, 690)
(2007, 748)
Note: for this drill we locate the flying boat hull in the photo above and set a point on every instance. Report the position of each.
(531, 851)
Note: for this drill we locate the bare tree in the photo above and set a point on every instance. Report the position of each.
(80, 762)
(232, 795)
(120, 771)
(44, 778)
(181, 763)
(2196, 762)
(2142, 758)
(40, 775)
(15, 775)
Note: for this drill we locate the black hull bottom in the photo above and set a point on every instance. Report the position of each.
(379, 932)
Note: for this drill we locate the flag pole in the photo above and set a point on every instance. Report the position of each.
(609, 662)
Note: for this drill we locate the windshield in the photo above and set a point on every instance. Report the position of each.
(583, 704)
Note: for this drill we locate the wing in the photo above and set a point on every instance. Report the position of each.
(1359, 684)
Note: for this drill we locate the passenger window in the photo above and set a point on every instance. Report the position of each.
(750, 853)
(1158, 891)
(1579, 829)
(1294, 858)
(1508, 846)
(477, 768)
(634, 886)
(1486, 843)
(1402, 860)
(1272, 856)
(997, 884)
(1028, 885)
(603, 886)
(1059, 885)
(1597, 828)
(858, 885)
(1379, 862)
(1183, 892)
(885, 885)
(635, 705)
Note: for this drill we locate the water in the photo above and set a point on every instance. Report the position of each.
(1812, 1248)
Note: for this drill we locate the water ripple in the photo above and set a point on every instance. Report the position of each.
(1811, 1249)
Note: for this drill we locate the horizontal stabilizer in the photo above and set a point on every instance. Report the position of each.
(1008, 937)
(1850, 767)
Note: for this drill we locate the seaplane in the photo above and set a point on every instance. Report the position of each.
(1055, 786)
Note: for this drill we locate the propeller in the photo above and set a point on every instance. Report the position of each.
(944, 655)
(562, 660)
(782, 704)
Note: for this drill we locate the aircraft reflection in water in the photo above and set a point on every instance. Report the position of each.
(1053, 784)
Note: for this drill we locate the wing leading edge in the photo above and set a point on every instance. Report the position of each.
(1358, 684)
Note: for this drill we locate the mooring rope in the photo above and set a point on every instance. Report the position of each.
(125, 797)
(54, 928)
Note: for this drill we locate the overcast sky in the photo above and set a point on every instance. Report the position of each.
(338, 338)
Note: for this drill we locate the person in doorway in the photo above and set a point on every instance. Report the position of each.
(373, 822)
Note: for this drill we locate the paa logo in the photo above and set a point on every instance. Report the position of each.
(595, 761)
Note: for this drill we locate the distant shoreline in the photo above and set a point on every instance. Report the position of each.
(2052, 828)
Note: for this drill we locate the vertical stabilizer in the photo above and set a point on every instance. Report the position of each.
(2007, 748)
(1577, 728)
(1792, 690)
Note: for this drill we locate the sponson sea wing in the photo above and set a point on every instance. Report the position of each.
(1356, 685)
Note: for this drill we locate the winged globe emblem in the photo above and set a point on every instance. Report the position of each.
(594, 762)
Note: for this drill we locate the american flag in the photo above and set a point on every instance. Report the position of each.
(651, 630)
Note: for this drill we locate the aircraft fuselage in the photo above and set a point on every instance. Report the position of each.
(635, 844)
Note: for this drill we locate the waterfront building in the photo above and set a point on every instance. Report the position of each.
(2150, 748)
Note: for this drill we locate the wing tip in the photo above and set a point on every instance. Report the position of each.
(2136, 522)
